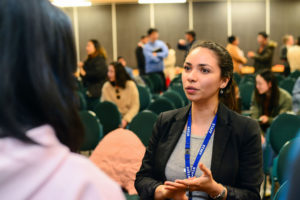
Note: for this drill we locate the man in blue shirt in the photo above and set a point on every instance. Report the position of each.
(155, 51)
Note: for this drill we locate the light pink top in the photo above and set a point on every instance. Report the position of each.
(50, 171)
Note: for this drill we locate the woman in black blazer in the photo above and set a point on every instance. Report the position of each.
(236, 155)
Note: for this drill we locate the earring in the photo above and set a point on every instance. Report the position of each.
(221, 91)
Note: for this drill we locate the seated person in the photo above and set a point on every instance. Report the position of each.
(122, 91)
(268, 100)
(124, 63)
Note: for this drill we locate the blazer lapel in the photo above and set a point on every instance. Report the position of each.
(222, 135)
(175, 132)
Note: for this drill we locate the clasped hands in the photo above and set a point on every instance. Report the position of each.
(177, 190)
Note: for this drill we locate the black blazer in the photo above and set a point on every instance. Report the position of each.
(236, 159)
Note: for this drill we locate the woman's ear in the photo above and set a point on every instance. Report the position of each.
(270, 84)
(224, 82)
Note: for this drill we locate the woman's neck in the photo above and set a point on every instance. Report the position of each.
(203, 112)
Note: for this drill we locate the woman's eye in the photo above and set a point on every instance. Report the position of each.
(205, 70)
(187, 68)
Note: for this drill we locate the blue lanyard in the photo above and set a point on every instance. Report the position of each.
(191, 173)
(211, 129)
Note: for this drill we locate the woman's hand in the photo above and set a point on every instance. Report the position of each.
(163, 192)
(82, 71)
(204, 183)
(264, 119)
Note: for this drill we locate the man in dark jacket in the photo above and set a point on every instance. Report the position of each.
(264, 55)
(190, 37)
(140, 58)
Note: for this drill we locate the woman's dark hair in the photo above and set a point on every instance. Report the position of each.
(37, 62)
(121, 75)
(269, 77)
(99, 49)
(226, 66)
(231, 39)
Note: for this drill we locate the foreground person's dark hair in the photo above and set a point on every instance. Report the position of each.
(37, 62)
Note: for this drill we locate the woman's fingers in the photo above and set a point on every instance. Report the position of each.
(204, 169)
(175, 184)
(172, 188)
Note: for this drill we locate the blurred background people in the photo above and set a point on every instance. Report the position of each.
(185, 45)
(140, 58)
(155, 51)
(122, 91)
(124, 63)
(293, 56)
(236, 53)
(268, 99)
(264, 55)
(288, 41)
(170, 63)
(94, 69)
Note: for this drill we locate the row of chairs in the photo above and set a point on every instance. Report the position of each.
(280, 138)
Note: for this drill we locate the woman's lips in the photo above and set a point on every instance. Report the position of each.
(191, 90)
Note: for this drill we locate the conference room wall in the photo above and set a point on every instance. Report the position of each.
(172, 22)
(95, 22)
(248, 18)
(133, 20)
(210, 21)
(285, 17)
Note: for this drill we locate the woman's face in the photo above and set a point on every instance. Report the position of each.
(111, 73)
(90, 48)
(201, 77)
(262, 85)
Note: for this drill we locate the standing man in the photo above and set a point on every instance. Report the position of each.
(140, 58)
(264, 55)
(155, 51)
(236, 53)
(190, 37)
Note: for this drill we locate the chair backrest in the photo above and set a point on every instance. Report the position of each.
(279, 78)
(142, 125)
(177, 87)
(82, 101)
(157, 82)
(288, 84)
(285, 159)
(109, 116)
(161, 105)
(247, 78)
(246, 90)
(145, 97)
(148, 83)
(177, 79)
(284, 128)
(175, 98)
(295, 74)
(237, 77)
(93, 130)
(281, 193)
